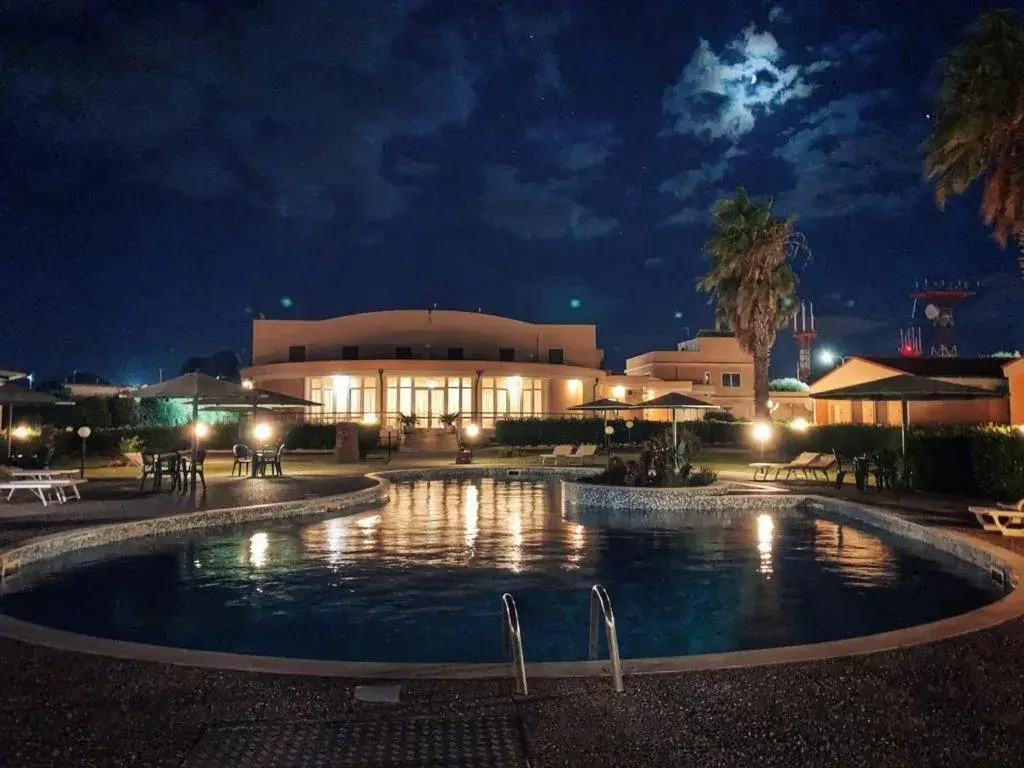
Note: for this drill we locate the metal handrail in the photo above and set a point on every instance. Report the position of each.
(512, 641)
(599, 600)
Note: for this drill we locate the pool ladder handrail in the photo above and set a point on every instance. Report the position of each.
(599, 600)
(512, 641)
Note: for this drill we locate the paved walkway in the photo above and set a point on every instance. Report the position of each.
(957, 702)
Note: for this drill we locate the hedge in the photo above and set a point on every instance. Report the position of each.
(570, 431)
(107, 442)
(973, 461)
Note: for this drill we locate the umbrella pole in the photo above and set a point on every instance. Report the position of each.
(904, 423)
(195, 438)
(675, 441)
(10, 428)
(252, 453)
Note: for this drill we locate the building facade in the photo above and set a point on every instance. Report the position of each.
(982, 372)
(377, 367)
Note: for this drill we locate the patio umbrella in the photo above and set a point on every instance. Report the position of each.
(906, 389)
(194, 387)
(602, 406)
(254, 399)
(676, 401)
(14, 394)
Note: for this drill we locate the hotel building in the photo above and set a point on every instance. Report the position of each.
(377, 366)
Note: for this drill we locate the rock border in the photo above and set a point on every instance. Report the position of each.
(649, 499)
(1001, 563)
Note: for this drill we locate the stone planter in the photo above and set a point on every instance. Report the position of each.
(625, 497)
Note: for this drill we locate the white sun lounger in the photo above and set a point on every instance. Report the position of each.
(560, 452)
(1006, 519)
(585, 451)
(41, 488)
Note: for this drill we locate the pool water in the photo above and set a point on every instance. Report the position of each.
(420, 580)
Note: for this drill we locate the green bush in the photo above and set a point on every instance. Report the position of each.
(320, 437)
(997, 457)
(724, 433)
(848, 439)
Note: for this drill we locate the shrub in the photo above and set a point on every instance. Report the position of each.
(703, 476)
(787, 385)
(719, 416)
(569, 431)
(310, 437)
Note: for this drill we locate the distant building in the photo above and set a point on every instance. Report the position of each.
(982, 372)
(377, 366)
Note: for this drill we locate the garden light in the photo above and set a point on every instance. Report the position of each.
(201, 430)
(247, 384)
(472, 431)
(21, 432)
(762, 432)
(800, 424)
(262, 432)
(619, 392)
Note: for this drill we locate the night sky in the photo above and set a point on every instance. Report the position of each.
(171, 168)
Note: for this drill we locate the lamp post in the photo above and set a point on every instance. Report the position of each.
(762, 434)
(608, 432)
(83, 432)
(629, 431)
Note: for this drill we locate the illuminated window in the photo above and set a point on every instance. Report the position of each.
(428, 398)
(342, 398)
(730, 380)
(503, 397)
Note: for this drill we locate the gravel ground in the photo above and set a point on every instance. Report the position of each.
(958, 702)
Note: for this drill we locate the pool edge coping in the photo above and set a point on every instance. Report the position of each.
(1008, 607)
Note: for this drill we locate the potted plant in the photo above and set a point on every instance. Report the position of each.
(408, 422)
(449, 420)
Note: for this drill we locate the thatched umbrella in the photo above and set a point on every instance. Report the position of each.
(602, 406)
(676, 401)
(254, 400)
(194, 387)
(906, 389)
(15, 394)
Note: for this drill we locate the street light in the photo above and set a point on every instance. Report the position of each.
(201, 430)
(83, 432)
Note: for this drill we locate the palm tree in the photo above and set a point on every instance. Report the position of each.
(979, 124)
(751, 280)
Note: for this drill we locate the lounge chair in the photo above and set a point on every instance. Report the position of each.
(762, 468)
(41, 488)
(1007, 519)
(821, 464)
(559, 452)
(585, 451)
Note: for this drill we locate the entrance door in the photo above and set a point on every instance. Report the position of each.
(421, 406)
(436, 407)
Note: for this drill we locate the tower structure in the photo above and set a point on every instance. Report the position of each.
(939, 299)
(804, 332)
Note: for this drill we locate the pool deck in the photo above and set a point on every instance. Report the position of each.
(950, 703)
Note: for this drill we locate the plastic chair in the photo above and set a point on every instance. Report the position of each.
(243, 460)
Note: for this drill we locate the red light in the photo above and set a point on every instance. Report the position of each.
(907, 350)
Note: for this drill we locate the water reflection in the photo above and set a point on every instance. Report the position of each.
(258, 545)
(478, 523)
(765, 529)
(858, 557)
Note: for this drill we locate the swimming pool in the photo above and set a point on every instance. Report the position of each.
(420, 579)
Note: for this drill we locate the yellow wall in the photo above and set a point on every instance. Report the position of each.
(1014, 373)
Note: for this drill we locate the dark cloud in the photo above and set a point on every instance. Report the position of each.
(842, 160)
(288, 105)
(532, 38)
(575, 145)
(543, 209)
(722, 96)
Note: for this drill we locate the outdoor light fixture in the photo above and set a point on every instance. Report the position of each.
(629, 425)
(800, 424)
(514, 383)
(619, 392)
(575, 386)
(21, 432)
(248, 384)
(83, 432)
(262, 432)
(762, 432)
(201, 430)
(370, 419)
(826, 357)
(471, 431)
